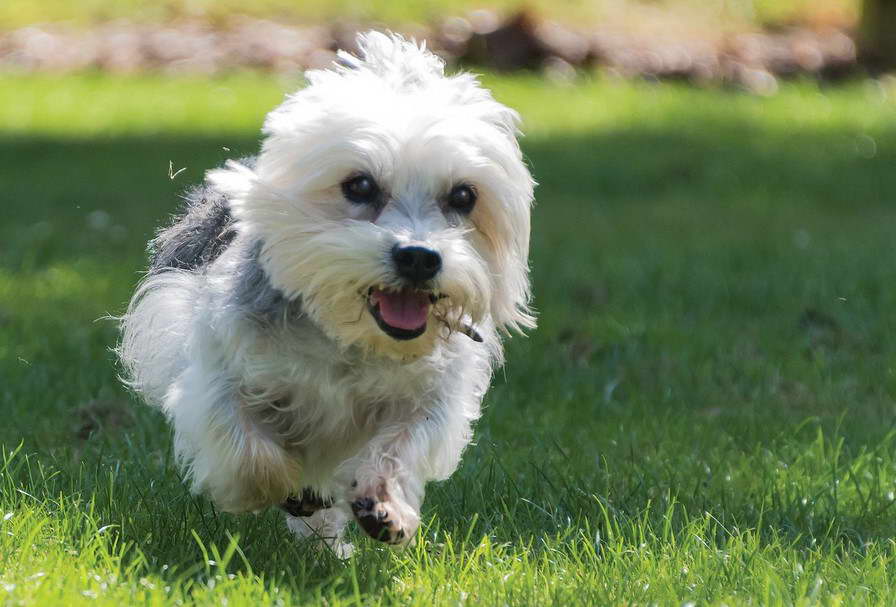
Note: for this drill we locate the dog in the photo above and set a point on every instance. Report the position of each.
(321, 322)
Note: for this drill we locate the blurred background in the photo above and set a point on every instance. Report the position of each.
(748, 43)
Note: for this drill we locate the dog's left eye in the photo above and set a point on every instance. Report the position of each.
(462, 198)
(361, 189)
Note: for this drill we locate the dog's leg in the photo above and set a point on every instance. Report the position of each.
(224, 452)
(325, 527)
(392, 470)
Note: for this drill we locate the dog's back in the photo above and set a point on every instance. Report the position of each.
(199, 233)
(158, 317)
(197, 236)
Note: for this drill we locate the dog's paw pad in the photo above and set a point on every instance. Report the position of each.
(379, 520)
(305, 504)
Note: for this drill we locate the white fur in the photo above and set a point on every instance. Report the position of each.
(327, 400)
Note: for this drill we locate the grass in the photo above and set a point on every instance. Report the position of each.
(705, 415)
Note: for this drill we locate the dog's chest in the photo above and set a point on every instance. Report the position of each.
(311, 398)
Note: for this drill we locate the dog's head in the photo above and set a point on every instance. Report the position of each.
(393, 200)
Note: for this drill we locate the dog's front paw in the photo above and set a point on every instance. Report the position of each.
(385, 520)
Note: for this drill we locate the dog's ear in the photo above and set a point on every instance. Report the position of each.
(512, 297)
(511, 301)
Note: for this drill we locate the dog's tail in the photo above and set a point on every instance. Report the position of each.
(155, 331)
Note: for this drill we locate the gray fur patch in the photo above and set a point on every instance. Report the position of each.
(198, 234)
(254, 293)
(197, 237)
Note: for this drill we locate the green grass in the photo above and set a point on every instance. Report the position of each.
(704, 416)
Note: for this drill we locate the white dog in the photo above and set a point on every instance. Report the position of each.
(322, 322)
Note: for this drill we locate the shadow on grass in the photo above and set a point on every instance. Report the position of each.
(718, 175)
(671, 269)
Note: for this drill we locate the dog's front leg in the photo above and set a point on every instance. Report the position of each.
(226, 454)
(387, 489)
(391, 472)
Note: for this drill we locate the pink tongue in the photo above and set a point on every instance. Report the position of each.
(404, 310)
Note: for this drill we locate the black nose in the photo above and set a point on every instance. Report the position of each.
(417, 264)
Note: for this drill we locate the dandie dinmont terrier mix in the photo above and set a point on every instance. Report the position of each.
(321, 323)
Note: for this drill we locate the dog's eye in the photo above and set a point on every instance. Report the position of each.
(462, 198)
(361, 189)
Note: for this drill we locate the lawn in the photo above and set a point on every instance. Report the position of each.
(704, 416)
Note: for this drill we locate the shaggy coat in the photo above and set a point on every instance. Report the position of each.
(262, 328)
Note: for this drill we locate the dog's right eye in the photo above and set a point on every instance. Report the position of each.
(361, 189)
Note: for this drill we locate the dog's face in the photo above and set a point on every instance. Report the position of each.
(393, 200)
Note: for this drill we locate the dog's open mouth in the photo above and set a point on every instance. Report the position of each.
(401, 314)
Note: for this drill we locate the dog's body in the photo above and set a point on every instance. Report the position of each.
(321, 324)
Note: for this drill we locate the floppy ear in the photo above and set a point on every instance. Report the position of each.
(511, 300)
(512, 297)
(502, 223)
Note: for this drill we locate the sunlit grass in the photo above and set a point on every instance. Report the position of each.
(705, 414)
(94, 105)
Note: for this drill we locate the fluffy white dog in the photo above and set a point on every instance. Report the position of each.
(321, 323)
